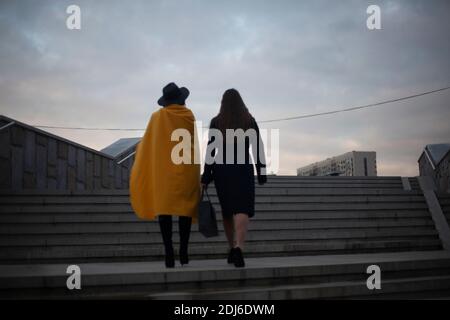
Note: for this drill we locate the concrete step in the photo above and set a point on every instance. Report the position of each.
(341, 290)
(262, 278)
(376, 184)
(272, 180)
(270, 177)
(276, 183)
(95, 217)
(266, 235)
(199, 250)
(43, 202)
(258, 206)
(21, 229)
(105, 196)
(121, 236)
(414, 183)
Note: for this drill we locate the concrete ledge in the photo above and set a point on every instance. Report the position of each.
(441, 224)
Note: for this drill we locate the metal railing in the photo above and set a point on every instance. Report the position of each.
(128, 156)
(7, 125)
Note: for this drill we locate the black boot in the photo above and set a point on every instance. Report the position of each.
(184, 226)
(238, 258)
(165, 224)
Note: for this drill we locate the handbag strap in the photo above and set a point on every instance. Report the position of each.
(205, 191)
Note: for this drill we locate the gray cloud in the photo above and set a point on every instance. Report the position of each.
(286, 58)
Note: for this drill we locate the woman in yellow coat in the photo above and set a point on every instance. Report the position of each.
(161, 186)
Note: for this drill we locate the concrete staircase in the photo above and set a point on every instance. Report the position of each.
(299, 222)
(295, 216)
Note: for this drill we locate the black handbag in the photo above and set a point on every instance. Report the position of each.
(207, 222)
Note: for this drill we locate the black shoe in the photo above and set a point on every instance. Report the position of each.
(170, 259)
(230, 258)
(170, 262)
(238, 258)
(184, 258)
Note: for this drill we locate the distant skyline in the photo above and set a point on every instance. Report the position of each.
(285, 57)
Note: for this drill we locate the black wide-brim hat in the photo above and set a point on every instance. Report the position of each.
(172, 94)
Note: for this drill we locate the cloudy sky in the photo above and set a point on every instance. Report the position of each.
(285, 57)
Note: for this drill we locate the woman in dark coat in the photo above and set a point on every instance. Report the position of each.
(233, 176)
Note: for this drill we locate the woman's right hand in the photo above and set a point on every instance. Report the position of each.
(262, 179)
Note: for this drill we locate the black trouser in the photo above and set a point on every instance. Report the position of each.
(184, 227)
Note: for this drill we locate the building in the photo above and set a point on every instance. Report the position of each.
(33, 159)
(435, 163)
(122, 149)
(354, 163)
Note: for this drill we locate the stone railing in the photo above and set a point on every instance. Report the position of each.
(440, 173)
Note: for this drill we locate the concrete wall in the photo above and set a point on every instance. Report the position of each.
(32, 159)
(441, 173)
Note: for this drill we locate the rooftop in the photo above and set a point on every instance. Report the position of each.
(437, 151)
(120, 146)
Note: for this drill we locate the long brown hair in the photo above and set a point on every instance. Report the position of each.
(233, 112)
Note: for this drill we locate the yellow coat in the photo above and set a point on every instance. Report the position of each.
(158, 185)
